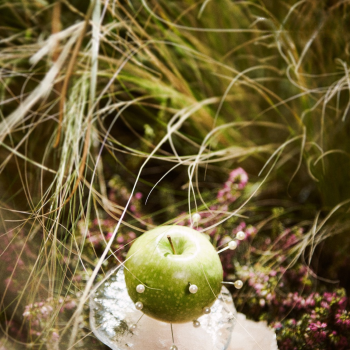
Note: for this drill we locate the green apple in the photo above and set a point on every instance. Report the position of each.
(163, 268)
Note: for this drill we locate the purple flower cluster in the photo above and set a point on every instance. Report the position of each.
(307, 319)
(236, 181)
(324, 323)
(38, 316)
(221, 235)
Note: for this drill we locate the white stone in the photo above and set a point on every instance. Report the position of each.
(250, 335)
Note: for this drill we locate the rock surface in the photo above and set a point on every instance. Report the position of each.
(250, 335)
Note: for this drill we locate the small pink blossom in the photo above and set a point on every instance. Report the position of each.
(239, 176)
(109, 236)
(120, 239)
(278, 325)
(70, 305)
(316, 326)
(132, 235)
(55, 337)
(138, 195)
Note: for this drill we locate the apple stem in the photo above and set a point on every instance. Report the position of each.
(172, 245)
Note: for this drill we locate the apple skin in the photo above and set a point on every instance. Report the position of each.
(167, 277)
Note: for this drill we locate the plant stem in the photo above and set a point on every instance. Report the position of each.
(172, 245)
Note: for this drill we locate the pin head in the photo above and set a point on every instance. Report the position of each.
(232, 245)
(206, 310)
(193, 289)
(196, 324)
(140, 288)
(240, 235)
(238, 284)
(196, 218)
(139, 305)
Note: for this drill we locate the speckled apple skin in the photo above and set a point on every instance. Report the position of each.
(151, 261)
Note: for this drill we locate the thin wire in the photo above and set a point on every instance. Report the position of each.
(172, 333)
(223, 249)
(140, 318)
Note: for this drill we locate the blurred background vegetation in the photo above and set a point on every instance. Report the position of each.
(100, 100)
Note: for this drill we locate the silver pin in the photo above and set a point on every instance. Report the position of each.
(140, 288)
(139, 305)
(193, 289)
(206, 310)
(238, 284)
(196, 218)
(240, 235)
(196, 324)
(232, 245)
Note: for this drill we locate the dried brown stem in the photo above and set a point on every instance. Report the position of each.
(171, 243)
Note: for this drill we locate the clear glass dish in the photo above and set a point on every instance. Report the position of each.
(116, 322)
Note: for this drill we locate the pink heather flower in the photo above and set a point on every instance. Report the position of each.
(342, 303)
(322, 336)
(138, 195)
(242, 225)
(94, 240)
(237, 180)
(109, 236)
(55, 337)
(44, 311)
(250, 230)
(220, 194)
(262, 302)
(70, 305)
(120, 239)
(324, 305)
(258, 286)
(316, 326)
(26, 314)
(132, 235)
(239, 176)
(278, 325)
